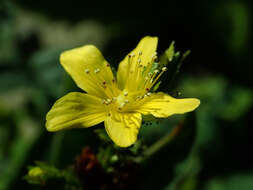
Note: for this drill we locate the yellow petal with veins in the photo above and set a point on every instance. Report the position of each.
(75, 110)
(144, 51)
(162, 105)
(123, 128)
(91, 72)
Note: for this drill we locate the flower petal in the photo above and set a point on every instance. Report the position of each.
(147, 46)
(87, 66)
(163, 105)
(123, 128)
(75, 110)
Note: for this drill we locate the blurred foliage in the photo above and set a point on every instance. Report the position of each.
(49, 177)
(212, 149)
(237, 181)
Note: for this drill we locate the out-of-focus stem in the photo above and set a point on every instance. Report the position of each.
(157, 146)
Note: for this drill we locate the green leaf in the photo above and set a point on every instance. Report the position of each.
(173, 61)
(170, 51)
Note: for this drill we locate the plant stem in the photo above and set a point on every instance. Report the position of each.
(158, 145)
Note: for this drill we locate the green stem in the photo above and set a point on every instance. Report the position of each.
(56, 147)
(157, 146)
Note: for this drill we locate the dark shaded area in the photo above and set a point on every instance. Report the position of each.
(218, 72)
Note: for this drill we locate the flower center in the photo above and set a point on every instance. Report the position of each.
(121, 102)
(126, 102)
(140, 80)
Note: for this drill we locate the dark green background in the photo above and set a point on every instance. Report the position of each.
(218, 72)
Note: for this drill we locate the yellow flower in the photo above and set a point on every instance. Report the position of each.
(119, 103)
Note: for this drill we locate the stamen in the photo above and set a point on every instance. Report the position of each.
(96, 81)
(109, 101)
(156, 71)
(138, 98)
(122, 105)
(164, 69)
(154, 57)
(106, 102)
(97, 70)
(132, 55)
(87, 71)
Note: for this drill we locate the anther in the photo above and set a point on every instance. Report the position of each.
(164, 69)
(126, 101)
(125, 93)
(156, 71)
(146, 78)
(139, 60)
(96, 70)
(149, 93)
(108, 65)
(122, 105)
(87, 71)
(140, 53)
(154, 57)
(108, 101)
(132, 54)
(147, 89)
